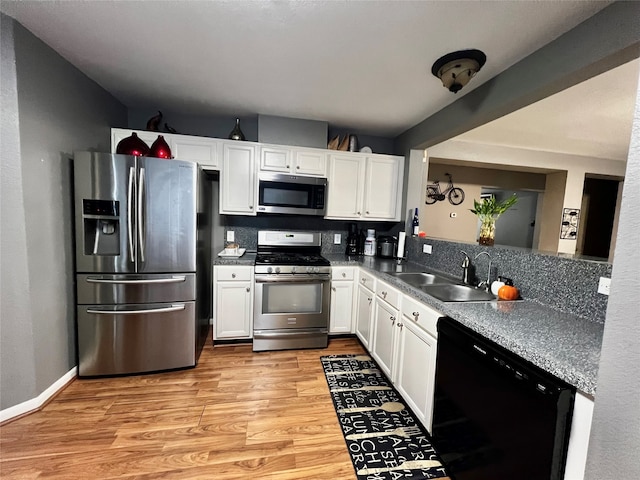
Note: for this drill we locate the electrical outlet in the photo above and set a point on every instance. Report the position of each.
(337, 238)
(427, 248)
(604, 285)
(231, 236)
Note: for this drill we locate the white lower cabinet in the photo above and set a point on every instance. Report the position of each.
(341, 314)
(414, 375)
(366, 285)
(233, 301)
(385, 315)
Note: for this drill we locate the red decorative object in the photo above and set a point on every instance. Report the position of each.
(132, 146)
(160, 148)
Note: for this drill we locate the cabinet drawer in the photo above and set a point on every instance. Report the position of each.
(367, 280)
(389, 294)
(232, 272)
(342, 273)
(423, 316)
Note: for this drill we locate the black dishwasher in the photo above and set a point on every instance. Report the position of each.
(497, 416)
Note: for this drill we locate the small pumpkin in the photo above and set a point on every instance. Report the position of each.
(508, 292)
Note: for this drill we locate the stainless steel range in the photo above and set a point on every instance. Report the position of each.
(292, 294)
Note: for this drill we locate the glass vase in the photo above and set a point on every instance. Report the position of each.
(487, 230)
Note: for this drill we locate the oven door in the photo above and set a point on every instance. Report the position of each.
(291, 302)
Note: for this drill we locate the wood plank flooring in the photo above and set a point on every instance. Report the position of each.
(237, 415)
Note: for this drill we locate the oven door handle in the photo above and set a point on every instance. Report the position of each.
(293, 279)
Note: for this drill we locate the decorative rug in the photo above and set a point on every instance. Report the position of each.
(383, 436)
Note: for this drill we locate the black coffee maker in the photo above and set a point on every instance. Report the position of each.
(352, 240)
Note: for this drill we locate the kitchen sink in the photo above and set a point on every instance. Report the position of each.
(419, 279)
(457, 293)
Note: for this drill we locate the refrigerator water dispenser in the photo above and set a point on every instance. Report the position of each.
(101, 227)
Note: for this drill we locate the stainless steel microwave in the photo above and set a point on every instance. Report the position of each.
(291, 194)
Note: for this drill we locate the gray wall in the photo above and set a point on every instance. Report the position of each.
(59, 110)
(615, 431)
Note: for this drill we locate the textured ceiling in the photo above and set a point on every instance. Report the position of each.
(358, 65)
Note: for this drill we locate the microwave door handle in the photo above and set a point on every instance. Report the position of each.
(132, 173)
(141, 214)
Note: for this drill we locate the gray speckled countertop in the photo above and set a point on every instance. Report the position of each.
(249, 258)
(565, 345)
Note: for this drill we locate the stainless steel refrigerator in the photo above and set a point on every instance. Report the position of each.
(136, 230)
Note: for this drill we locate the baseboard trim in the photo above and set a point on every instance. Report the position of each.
(24, 408)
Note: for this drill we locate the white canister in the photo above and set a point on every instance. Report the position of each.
(370, 243)
(495, 286)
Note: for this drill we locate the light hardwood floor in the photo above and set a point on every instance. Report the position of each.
(237, 415)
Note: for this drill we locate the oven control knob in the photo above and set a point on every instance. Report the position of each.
(269, 269)
(309, 269)
(277, 269)
(316, 269)
(293, 269)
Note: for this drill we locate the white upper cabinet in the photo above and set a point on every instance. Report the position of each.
(364, 187)
(345, 189)
(204, 151)
(293, 160)
(238, 178)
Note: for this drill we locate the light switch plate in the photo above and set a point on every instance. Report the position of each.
(231, 236)
(337, 238)
(604, 285)
(427, 248)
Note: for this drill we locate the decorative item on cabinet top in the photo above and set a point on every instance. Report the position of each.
(154, 122)
(236, 133)
(133, 145)
(348, 143)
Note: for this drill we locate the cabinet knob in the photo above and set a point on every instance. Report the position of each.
(393, 319)
(248, 289)
(384, 294)
(298, 167)
(233, 275)
(367, 212)
(370, 299)
(288, 166)
(416, 315)
(344, 275)
(358, 213)
(400, 325)
(363, 280)
(250, 207)
(333, 289)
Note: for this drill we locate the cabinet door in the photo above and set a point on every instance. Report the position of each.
(384, 334)
(364, 311)
(341, 313)
(275, 159)
(345, 189)
(204, 151)
(233, 310)
(415, 369)
(381, 188)
(238, 179)
(310, 162)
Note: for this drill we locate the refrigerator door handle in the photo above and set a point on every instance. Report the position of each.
(140, 213)
(173, 279)
(132, 173)
(172, 308)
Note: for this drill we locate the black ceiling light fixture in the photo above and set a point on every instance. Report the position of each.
(457, 68)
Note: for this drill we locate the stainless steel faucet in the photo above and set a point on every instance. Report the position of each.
(486, 284)
(467, 269)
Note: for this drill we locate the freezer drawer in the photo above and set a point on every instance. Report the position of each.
(101, 289)
(135, 338)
